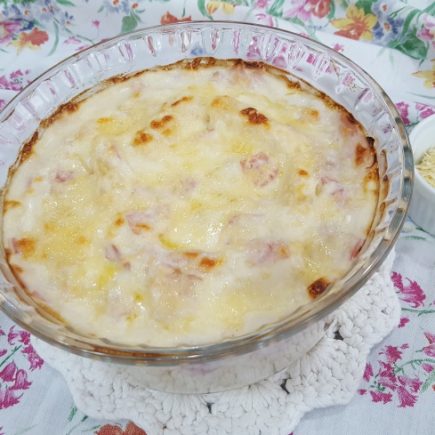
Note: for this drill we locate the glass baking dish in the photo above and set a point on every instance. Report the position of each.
(242, 360)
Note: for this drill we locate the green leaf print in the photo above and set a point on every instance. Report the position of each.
(275, 8)
(72, 413)
(65, 2)
(408, 20)
(365, 5)
(16, 2)
(129, 23)
(411, 46)
(430, 9)
(429, 381)
(203, 9)
(331, 14)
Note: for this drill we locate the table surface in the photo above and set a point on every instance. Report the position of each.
(392, 40)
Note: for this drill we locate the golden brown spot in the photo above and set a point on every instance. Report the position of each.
(159, 123)
(138, 297)
(371, 179)
(119, 221)
(17, 269)
(283, 251)
(303, 172)
(195, 63)
(222, 102)
(81, 240)
(143, 227)
(142, 138)
(38, 179)
(70, 107)
(360, 154)
(25, 246)
(167, 132)
(191, 254)
(208, 263)
(370, 142)
(311, 114)
(329, 102)
(253, 65)
(10, 204)
(317, 287)
(293, 85)
(104, 120)
(123, 77)
(181, 100)
(349, 125)
(27, 149)
(49, 226)
(254, 117)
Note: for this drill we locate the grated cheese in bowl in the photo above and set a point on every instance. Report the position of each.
(426, 166)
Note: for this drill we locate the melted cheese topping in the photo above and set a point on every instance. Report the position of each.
(189, 204)
(426, 166)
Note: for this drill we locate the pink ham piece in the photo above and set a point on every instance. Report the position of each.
(264, 252)
(259, 169)
(332, 187)
(63, 176)
(112, 253)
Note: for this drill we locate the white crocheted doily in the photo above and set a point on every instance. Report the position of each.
(328, 375)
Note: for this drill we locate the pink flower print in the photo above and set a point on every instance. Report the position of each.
(8, 373)
(392, 353)
(424, 110)
(95, 23)
(361, 391)
(72, 40)
(387, 377)
(403, 322)
(261, 4)
(8, 29)
(1, 330)
(406, 398)
(378, 396)
(2, 104)
(15, 82)
(338, 47)
(3, 352)
(427, 32)
(403, 109)
(21, 382)
(411, 293)
(368, 372)
(299, 9)
(34, 359)
(430, 350)
(12, 335)
(404, 346)
(24, 337)
(427, 367)
(265, 19)
(413, 384)
(8, 398)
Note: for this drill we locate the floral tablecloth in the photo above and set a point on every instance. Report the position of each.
(395, 42)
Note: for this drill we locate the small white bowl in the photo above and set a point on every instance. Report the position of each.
(422, 208)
